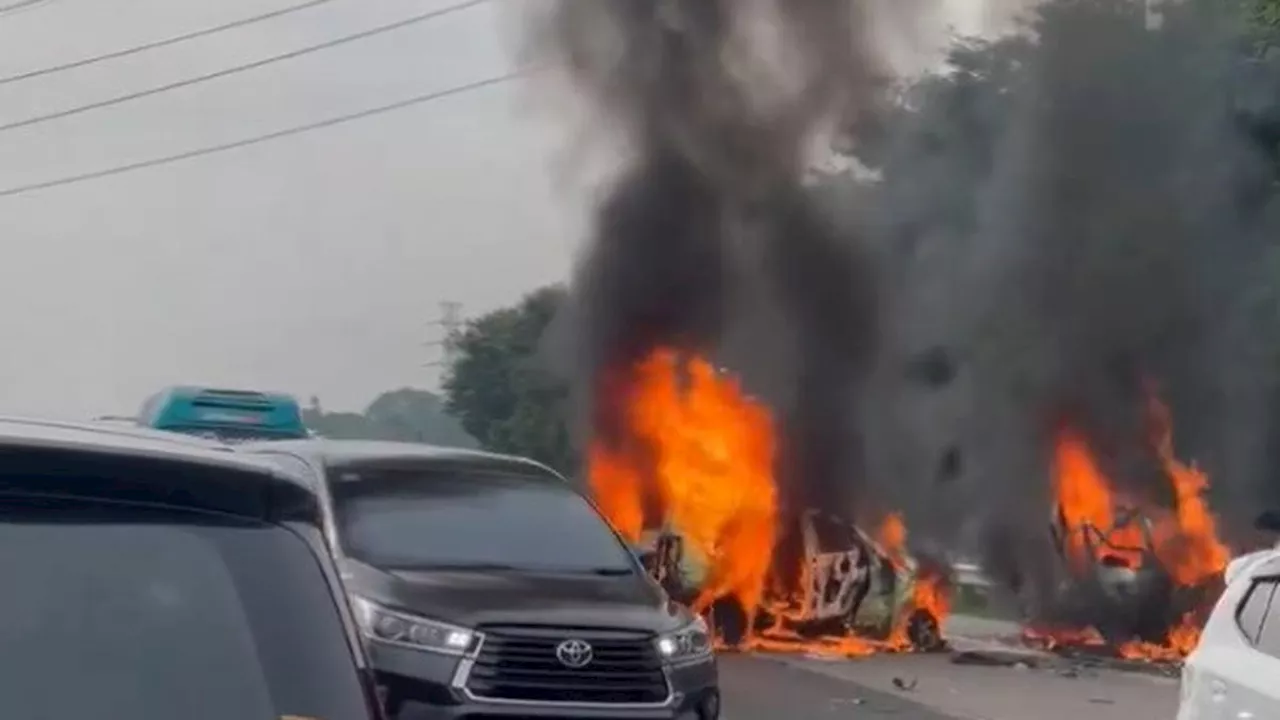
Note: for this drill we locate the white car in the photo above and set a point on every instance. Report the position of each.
(1232, 674)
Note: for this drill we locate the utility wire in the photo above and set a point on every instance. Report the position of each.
(120, 99)
(259, 139)
(19, 5)
(173, 40)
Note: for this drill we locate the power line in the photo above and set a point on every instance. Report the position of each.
(119, 99)
(259, 139)
(173, 40)
(19, 5)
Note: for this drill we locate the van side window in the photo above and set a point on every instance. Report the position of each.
(1251, 615)
(1268, 635)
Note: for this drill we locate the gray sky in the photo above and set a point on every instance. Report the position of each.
(312, 264)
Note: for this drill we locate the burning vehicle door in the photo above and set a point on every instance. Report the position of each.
(885, 588)
(837, 568)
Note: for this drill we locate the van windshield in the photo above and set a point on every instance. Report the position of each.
(424, 519)
(117, 613)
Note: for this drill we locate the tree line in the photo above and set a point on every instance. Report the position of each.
(404, 415)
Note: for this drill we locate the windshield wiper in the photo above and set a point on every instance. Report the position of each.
(495, 567)
(503, 567)
(609, 571)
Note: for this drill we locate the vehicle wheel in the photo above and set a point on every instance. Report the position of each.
(923, 631)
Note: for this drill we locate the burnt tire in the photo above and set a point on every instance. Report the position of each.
(924, 633)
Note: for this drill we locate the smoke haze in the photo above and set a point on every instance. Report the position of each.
(709, 242)
(1073, 215)
(1095, 227)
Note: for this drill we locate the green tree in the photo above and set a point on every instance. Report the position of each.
(417, 416)
(502, 391)
(1266, 14)
(405, 415)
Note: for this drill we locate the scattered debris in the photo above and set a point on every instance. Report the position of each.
(904, 685)
(1088, 661)
(995, 658)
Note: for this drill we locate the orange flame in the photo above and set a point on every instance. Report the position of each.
(1183, 540)
(704, 465)
(1088, 504)
(1187, 543)
(929, 591)
(711, 467)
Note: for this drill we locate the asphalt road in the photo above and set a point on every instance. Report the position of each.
(797, 688)
(772, 689)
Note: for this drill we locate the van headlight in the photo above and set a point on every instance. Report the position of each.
(380, 623)
(692, 642)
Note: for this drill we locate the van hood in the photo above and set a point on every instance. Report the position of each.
(488, 597)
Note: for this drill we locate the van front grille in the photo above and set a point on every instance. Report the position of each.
(520, 663)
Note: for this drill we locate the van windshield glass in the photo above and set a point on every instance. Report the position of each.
(472, 520)
(117, 613)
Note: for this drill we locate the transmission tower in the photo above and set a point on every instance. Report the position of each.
(450, 324)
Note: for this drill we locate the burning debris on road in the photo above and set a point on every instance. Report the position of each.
(697, 484)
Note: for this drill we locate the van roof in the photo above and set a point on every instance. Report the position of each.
(344, 452)
(117, 440)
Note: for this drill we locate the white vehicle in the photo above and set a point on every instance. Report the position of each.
(1232, 673)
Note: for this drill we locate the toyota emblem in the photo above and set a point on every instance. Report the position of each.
(574, 653)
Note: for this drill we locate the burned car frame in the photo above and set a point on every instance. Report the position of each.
(1115, 582)
(829, 578)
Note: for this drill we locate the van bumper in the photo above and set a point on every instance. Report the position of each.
(420, 685)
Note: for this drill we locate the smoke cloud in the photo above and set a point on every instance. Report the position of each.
(1075, 215)
(709, 241)
(1072, 215)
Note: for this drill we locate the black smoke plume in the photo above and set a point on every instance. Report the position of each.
(1072, 216)
(709, 242)
(1067, 217)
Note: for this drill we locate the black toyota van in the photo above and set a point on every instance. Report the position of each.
(154, 577)
(487, 586)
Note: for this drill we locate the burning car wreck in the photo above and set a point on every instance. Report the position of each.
(1120, 584)
(696, 493)
(845, 585)
(1122, 588)
(1137, 576)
